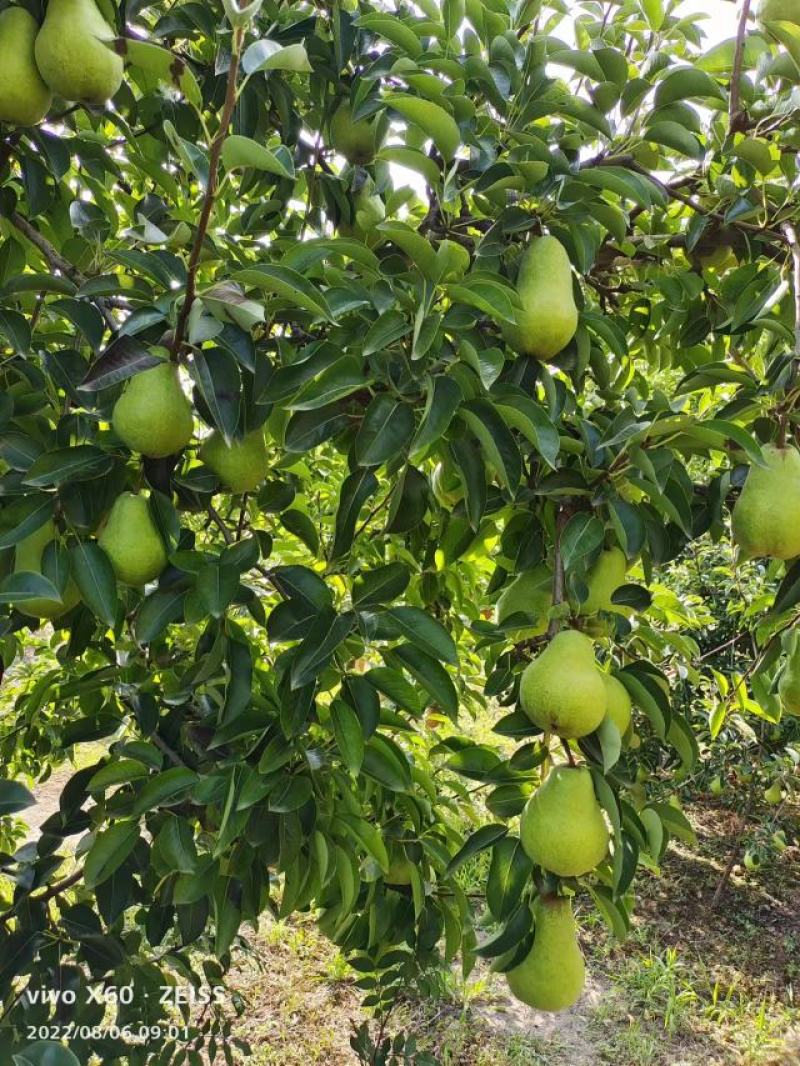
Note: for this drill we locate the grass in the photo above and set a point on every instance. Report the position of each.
(689, 987)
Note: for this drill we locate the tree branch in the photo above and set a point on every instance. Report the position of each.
(58, 262)
(211, 191)
(737, 117)
(790, 234)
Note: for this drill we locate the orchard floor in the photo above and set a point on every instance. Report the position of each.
(691, 986)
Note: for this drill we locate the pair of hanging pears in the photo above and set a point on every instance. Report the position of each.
(531, 593)
(72, 55)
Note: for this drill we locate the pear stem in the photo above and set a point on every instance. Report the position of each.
(210, 195)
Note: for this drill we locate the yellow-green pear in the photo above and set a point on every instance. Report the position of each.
(562, 691)
(604, 578)
(789, 684)
(530, 593)
(357, 140)
(241, 465)
(552, 975)
(28, 557)
(24, 97)
(766, 517)
(618, 703)
(399, 872)
(773, 794)
(75, 52)
(446, 485)
(153, 415)
(779, 11)
(132, 541)
(562, 828)
(547, 317)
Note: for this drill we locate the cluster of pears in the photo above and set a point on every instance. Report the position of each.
(530, 593)
(546, 316)
(154, 417)
(766, 517)
(72, 55)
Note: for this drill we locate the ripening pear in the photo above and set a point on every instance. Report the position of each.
(530, 593)
(766, 517)
(552, 975)
(562, 691)
(446, 485)
(75, 52)
(604, 578)
(773, 795)
(132, 541)
(618, 703)
(241, 465)
(28, 557)
(789, 684)
(547, 317)
(24, 97)
(153, 415)
(562, 828)
(779, 11)
(357, 140)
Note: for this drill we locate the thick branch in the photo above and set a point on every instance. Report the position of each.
(59, 263)
(737, 118)
(211, 191)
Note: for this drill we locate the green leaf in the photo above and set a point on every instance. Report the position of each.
(238, 151)
(83, 462)
(164, 789)
(269, 55)
(14, 327)
(366, 835)
(425, 632)
(495, 439)
(509, 873)
(14, 797)
(381, 585)
(356, 490)
(394, 30)
(385, 432)
(156, 612)
(673, 135)
(429, 673)
(94, 575)
(431, 118)
(685, 84)
(288, 284)
(24, 585)
(336, 381)
(117, 772)
(481, 839)
(443, 398)
(612, 911)
(109, 851)
(523, 414)
(45, 1053)
(348, 733)
(387, 763)
(582, 535)
(317, 648)
(301, 526)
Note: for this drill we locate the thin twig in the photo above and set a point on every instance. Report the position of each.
(51, 893)
(211, 191)
(794, 246)
(736, 115)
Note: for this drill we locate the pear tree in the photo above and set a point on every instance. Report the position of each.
(363, 368)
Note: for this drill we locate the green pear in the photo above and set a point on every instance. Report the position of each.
(241, 465)
(779, 11)
(604, 578)
(562, 828)
(153, 416)
(132, 542)
(766, 517)
(446, 485)
(773, 794)
(75, 52)
(547, 317)
(789, 684)
(552, 975)
(716, 787)
(24, 97)
(399, 872)
(618, 703)
(28, 557)
(530, 593)
(357, 140)
(562, 691)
